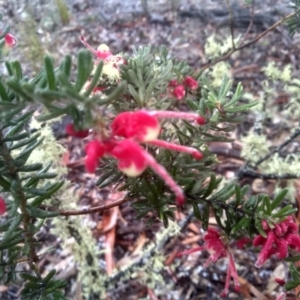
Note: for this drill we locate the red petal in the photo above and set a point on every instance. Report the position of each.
(95, 149)
(191, 83)
(70, 130)
(282, 248)
(179, 92)
(10, 40)
(2, 206)
(131, 157)
(140, 125)
(259, 240)
(91, 163)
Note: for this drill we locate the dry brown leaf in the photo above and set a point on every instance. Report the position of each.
(247, 289)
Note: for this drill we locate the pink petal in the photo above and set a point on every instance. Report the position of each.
(2, 206)
(266, 250)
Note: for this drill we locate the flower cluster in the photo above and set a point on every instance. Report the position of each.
(2, 206)
(179, 90)
(219, 248)
(284, 235)
(111, 66)
(127, 131)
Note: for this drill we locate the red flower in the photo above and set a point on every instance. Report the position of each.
(94, 150)
(134, 127)
(284, 235)
(10, 40)
(139, 125)
(214, 244)
(179, 92)
(190, 82)
(131, 158)
(2, 206)
(70, 130)
(101, 53)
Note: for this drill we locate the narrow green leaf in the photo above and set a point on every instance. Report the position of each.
(3, 93)
(285, 211)
(29, 149)
(211, 186)
(84, 68)
(24, 142)
(66, 65)
(30, 278)
(241, 107)
(40, 213)
(279, 198)
(17, 69)
(94, 82)
(31, 168)
(242, 223)
(49, 68)
(54, 188)
(16, 137)
(12, 228)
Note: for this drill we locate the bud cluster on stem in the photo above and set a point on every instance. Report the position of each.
(284, 235)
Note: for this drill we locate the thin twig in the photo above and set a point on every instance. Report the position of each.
(255, 40)
(278, 149)
(231, 23)
(250, 24)
(244, 172)
(86, 211)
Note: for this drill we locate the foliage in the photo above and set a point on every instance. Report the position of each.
(103, 88)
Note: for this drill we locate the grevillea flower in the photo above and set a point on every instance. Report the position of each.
(284, 235)
(70, 130)
(218, 248)
(190, 82)
(139, 125)
(94, 151)
(134, 128)
(2, 206)
(130, 155)
(102, 51)
(10, 40)
(179, 92)
(280, 281)
(112, 63)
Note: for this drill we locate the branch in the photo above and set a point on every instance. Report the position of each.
(251, 174)
(250, 24)
(226, 56)
(87, 211)
(20, 198)
(285, 143)
(231, 23)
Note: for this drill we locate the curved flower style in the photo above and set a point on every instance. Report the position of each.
(128, 129)
(284, 235)
(111, 62)
(218, 248)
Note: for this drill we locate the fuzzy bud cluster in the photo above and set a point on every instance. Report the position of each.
(179, 90)
(278, 240)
